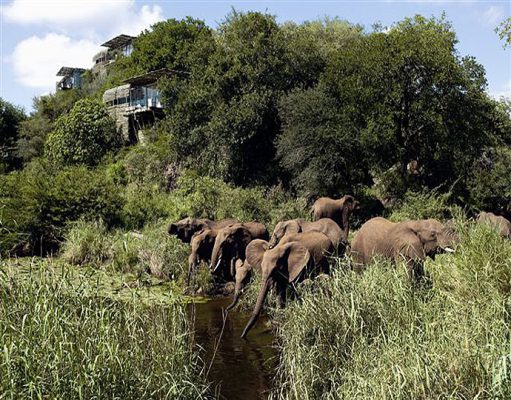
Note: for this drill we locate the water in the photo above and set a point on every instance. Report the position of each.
(241, 369)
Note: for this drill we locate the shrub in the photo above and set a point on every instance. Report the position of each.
(371, 335)
(489, 185)
(62, 338)
(422, 205)
(86, 243)
(152, 251)
(83, 136)
(37, 203)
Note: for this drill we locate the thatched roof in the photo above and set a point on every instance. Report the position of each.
(116, 93)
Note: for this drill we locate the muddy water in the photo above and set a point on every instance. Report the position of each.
(240, 369)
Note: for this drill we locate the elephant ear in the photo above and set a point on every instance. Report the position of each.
(255, 252)
(297, 259)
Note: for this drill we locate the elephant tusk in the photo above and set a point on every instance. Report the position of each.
(449, 250)
(217, 264)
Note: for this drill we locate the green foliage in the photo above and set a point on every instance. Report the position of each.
(83, 136)
(422, 205)
(451, 341)
(504, 31)
(174, 44)
(151, 251)
(63, 338)
(489, 182)
(10, 119)
(32, 136)
(37, 203)
(225, 118)
(412, 98)
(320, 147)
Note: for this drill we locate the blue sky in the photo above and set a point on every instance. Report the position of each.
(39, 36)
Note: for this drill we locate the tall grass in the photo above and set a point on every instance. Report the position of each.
(62, 339)
(371, 336)
(151, 251)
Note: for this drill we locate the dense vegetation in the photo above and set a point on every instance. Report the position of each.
(261, 118)
(64, 337)
(369, 336)
(320, 108)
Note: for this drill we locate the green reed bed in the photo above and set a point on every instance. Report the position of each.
(371, 336)
(62, 337)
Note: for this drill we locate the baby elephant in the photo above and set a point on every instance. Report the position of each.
(412, 241)
(294, 258)
(501, 224)
(244, 272)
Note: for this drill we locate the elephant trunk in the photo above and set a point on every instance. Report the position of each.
(235, 300)
(216, 257)
(258, 307)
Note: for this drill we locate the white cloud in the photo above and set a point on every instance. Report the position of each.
(64, 12)
(134, 23)
(85, 17)
(77, 27)
(493, 15)
(36, 60)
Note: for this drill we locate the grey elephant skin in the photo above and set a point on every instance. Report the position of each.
(187, 227)
(296, 256)
(243, 273)
(497, 222)
(326, 226)
(338, 210)
(230, 245)
(411, 241)
(201, 248)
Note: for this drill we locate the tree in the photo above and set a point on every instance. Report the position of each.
(225, 120)
(319, 147)
(83, 136)
(413, 99)
(10, 119)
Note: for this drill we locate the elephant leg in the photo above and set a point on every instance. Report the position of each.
(415, 270)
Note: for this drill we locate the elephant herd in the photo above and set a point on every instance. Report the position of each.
(299, 249)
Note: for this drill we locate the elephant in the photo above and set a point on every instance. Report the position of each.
(243, 274)
(187, 227)
(501, 224)
(202, 245)
(412, 241)
(323, 225)
(339, 210)
(296, 257)
(230, 245)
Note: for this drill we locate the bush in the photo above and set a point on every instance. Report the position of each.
(37, 203)
(449, 341)
(422, 205)
(489, 185)
(83, 136)
(151, 251)
(62, 338)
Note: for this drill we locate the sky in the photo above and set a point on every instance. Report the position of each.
(39, 36)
